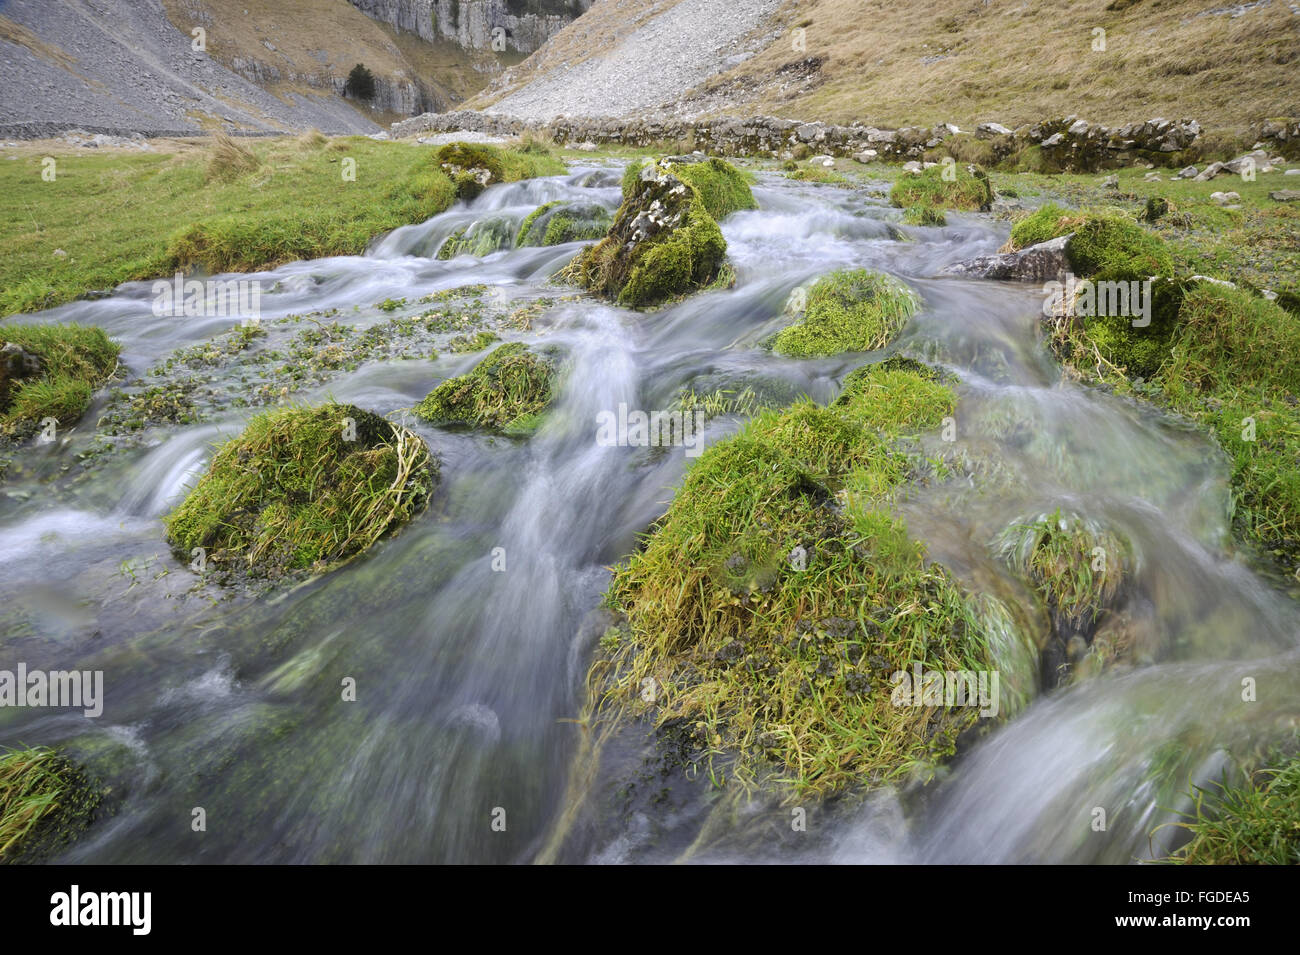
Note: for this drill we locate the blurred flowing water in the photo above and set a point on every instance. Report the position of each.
(468, 678)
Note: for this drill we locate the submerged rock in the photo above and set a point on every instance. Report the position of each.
(558, 222)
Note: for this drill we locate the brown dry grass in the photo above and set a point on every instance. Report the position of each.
(1011, 61)
(1019, 61)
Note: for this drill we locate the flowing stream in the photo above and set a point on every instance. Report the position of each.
(468, 675)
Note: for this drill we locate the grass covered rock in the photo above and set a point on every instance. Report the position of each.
(303, 489)
(772, 606)
(558, 222)
(50, 371)
(949, 185)
(849, 310)
(1103, 245)
(472, 167)
(665, 239)
(46, 801)
(507, 391)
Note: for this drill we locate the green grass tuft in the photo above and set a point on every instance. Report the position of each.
(45, 801)
(969, 189)
(1254, 822)
(784, 666)
(75, 360)
(852, 310)
(293, 492)
(507, 391)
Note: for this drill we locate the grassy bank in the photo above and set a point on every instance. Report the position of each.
(111, 217)
(45, 801)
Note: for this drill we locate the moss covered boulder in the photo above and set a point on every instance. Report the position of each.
(46, 801)
(472, 167)
(303, 489)
(507, 391)
(1102, 245)
(773, 608)
(558, 222)
(850, 310)
(50, 371)
(948, 185)
(665, 239)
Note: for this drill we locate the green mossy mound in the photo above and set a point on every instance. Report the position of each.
(772, 605)
(558, 222)
(1104, 245)
(722, 187)
(1250, 822)
(665, 241)
(1080, 570)
(50, 371)
(479, 239)
(303, 489)
(507, 391)
(1114, 340)
(968, 188)
(1231, 361)
(472, 167)
(850, 310)
(46, 801)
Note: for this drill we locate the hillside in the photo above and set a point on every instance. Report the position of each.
(1013, 61)
(129, 64)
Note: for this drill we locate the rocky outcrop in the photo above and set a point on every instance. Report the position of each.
(395, 93)
(1280, 136)
(523, 25)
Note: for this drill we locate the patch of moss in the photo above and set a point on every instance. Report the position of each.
(303, 488)
(722, 187)
(663, 243)
(46, 801)
(967, 188)
(850, 310)
(558, 222)
(476, 342)
(472, 167)
(71, 361)
(507, 391)
(771, 607)
(815, 174)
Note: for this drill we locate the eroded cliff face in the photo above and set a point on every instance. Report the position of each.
(519, 26)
